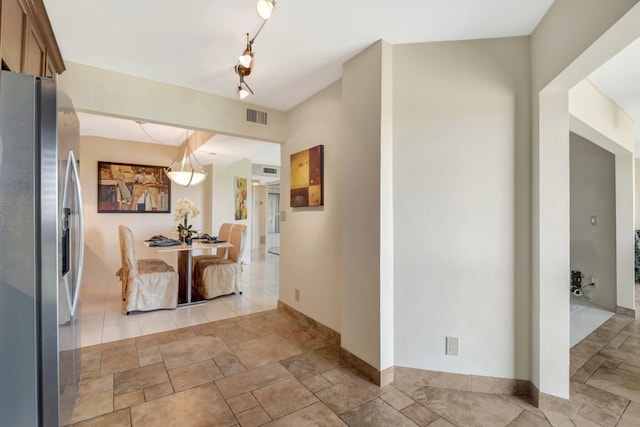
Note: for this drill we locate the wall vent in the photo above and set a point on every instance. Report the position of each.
(256, 116)
(265, 170)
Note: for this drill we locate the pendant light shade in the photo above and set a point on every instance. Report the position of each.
(265, 7)
(185, 169)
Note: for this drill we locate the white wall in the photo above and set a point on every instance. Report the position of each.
(593, 246)
(223, 199)
(102, 247)
(461, 197)
(565, 50)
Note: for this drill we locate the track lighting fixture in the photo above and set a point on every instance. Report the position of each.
(265, 7)
(245, 61)
(243, 89)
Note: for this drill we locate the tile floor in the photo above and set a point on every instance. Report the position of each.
(101, 306)
(585, 318)
(267, 369)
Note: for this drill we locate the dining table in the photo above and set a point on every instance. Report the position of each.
(185, 263)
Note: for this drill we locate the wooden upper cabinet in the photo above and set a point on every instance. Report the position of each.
(27, 43)
(13, 32)
(35, 53)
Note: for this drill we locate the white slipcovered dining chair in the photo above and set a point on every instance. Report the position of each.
(216, 277)
(147, 284)
(221, 253)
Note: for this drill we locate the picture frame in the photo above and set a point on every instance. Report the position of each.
(307, 178)
(240, 198)
(133, 188)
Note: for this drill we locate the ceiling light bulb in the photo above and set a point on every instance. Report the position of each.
(246, 59)
(265, 7)
(242, 92)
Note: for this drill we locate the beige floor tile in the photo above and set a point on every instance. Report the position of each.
(315, 415)
(139, 378)
(157, 391)
(195, 374)
(126, 400)
(396, 399)
(190, 350)
(233, 369)
(232, 332)
(118, 359)
(376, 412)
(617, 382)
(251, 380)
(339, 375)
(114, 419)
(149, 355)
(528, 419)
(632, 414)
(316, 383)
(441, 422)
(264, 350)
(597, 416)
(284, 397)
(467, 408)
(95, 397)
(595, 397)
(198, 406)
(306, 365)
(242, 402)
(253, 417)
(345, 396)
(420, 415)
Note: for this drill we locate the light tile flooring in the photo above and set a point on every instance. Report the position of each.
(102, 320)
(585, 318)
(267, 369)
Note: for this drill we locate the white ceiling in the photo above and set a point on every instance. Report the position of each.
(301, 49)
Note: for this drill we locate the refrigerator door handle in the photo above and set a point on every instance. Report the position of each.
(72, 169)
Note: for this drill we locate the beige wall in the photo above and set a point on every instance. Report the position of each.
(311, 243)
(102, 248)
(100, 91)
(223, 197)
(461, 198)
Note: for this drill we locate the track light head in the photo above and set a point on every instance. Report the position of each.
(265, 7)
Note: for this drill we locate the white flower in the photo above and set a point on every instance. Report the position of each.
(185, 210)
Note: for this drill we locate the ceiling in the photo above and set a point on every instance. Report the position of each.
(195, 44)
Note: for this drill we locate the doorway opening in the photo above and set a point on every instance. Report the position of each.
(273, 218)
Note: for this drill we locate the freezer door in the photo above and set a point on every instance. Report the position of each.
(20, 273)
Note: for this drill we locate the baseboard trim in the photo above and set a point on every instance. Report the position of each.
(548, 402)
(464, 382)
(626, 311)
(420, 377)
(310, 323)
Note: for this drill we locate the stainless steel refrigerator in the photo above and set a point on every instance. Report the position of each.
(41, 250)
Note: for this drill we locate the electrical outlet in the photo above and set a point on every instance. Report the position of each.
(452, 346)
(297, 295)
(594, 281)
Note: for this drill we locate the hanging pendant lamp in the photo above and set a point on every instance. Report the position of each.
(185, 170)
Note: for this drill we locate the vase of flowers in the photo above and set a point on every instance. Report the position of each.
(186, 210)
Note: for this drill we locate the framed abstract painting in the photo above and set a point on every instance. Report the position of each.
(307, 176)
(240, 194)
(130, 188)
